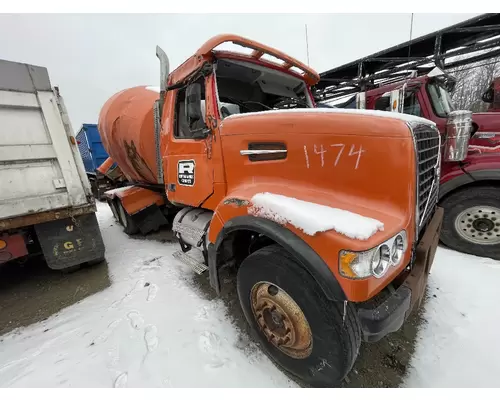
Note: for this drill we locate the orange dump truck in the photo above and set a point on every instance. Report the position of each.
(314, 209)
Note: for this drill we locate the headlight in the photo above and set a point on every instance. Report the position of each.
(384, 260)
(398, 248)
(374, 262)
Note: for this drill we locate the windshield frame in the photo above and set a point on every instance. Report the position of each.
(435, 101)
(308, 99)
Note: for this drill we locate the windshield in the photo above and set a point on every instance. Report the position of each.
(440, 99)
(244, 87)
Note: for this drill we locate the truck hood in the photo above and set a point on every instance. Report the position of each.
(319, 121)
(357, 161)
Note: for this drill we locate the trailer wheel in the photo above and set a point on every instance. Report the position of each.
(314, 340)
(471, 221)
(114, 209)
(129, 226)
(95, 189)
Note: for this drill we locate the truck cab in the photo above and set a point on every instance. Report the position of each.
(330, 245)
(469, 185)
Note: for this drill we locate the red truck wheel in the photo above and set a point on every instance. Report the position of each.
(471, 221)
(314, 340)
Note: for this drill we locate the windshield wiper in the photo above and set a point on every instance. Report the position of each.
(243, 103)
(291, 101)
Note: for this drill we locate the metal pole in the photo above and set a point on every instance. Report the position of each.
(403, 94)
(307, 47)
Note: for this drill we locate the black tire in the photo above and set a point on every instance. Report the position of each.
(114, 209)
(461, 200)
(129, 226)
(335, 337)
(95, 189)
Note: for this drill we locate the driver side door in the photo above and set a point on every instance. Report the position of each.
(189, 167)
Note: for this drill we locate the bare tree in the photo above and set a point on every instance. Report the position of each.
(472, 82)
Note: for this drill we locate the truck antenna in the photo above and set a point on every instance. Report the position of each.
(402, 99)
(307, 47)
(411, 36)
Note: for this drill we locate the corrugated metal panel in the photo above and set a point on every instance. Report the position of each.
(91, 148)
(83, 146)
(99, 154)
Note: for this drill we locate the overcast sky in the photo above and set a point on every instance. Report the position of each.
(92, 56)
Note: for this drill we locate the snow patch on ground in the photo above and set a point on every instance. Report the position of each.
(458, 344)
(312, 218)
(151, 328)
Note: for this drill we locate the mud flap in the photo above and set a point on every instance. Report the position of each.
(69, 242)
(150, 219)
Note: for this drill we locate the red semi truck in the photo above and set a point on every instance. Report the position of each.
(417, 85)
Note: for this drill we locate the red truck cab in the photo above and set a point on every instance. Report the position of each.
(470, 188)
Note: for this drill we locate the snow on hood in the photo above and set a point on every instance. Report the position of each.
(374, 113)
(311, 217)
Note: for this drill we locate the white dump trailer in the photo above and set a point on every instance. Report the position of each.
(46, 204)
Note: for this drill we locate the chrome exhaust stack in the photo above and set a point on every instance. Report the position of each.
(458, 130)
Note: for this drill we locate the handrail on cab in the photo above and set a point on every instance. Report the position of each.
(259, 49)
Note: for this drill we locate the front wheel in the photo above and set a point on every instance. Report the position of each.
(316, 341)
(471, 221)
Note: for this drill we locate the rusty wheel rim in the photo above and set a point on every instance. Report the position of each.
(281, 320)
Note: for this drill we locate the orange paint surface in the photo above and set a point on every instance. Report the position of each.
(135, 199)
(126, 127)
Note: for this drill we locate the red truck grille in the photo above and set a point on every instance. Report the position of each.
(427, 143)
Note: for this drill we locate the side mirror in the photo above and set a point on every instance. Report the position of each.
(396, 96)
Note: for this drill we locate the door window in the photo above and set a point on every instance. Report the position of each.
(411, 104)
(190, 110)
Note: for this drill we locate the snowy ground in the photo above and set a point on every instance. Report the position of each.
(459, 346)
(152, 327)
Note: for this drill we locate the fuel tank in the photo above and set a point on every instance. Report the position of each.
(126, 125)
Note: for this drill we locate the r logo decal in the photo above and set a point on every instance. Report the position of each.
(185, 172)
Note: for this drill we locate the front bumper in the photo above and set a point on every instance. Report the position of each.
(12, 247)
(388, 314)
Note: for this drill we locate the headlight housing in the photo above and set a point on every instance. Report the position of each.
(374, 262)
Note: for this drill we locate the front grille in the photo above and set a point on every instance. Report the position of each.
(428, 149)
